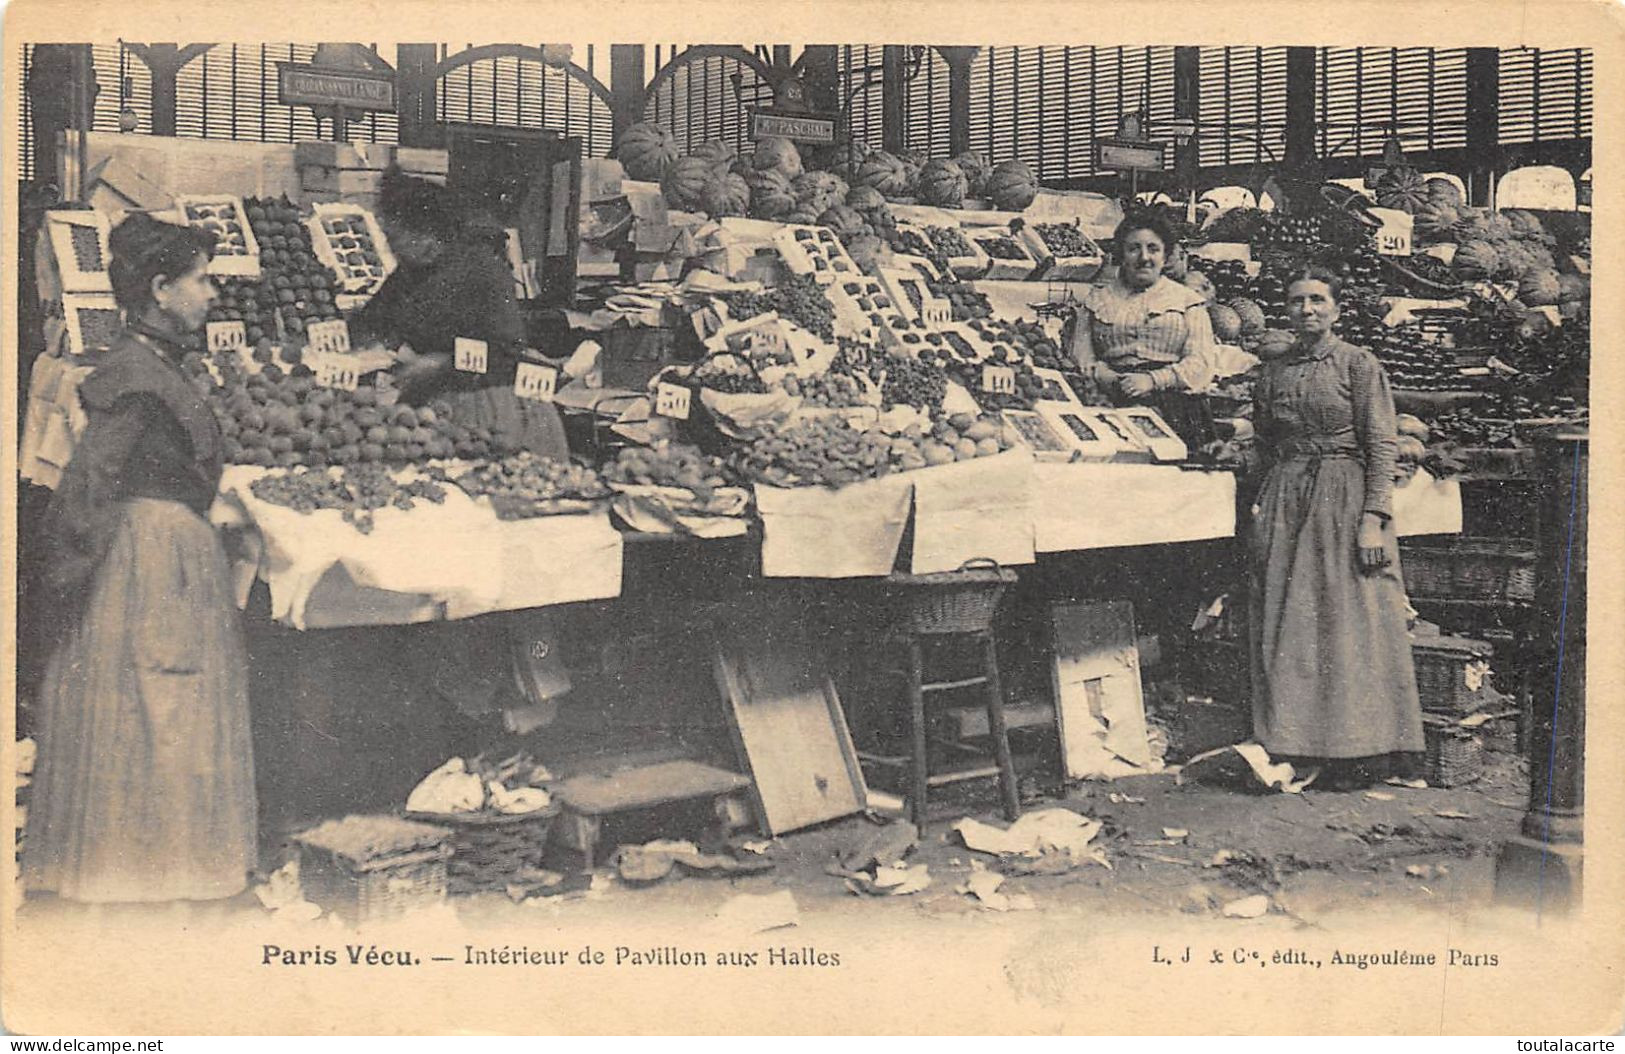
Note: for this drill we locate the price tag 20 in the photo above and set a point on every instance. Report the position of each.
(471, 355)
(536, 382)
(1394, 237)
(331, 337)
(1000, 380)
(336, 371)
(671, 400)
(227, 336)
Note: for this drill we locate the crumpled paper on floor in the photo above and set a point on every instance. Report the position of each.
(282, 896)
(984, 887)
(895, 881)
(1247, 907)
(1279, 776)
(653, 861)
(1032, 835)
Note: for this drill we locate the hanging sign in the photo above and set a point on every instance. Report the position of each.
(1394, 237)
(535, 382)
(299, 84)
(1131, 155)
(226, 336)
(470, 355)
(799, 127)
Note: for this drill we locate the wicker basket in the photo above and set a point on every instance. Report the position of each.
(962, 601)
(1454, 755)
(489, 850)
(1452, 674)
(373, 868)
(1482, 569)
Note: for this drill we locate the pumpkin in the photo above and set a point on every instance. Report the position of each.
(1403, 189)
(770, 196)
(976, 170)
(884, 173)
(726, 194)
(1012, 186)
(1516, 261)
(1540, 287)
(1497, 228)
(645, 150)
(1573, 287)
(843, 159)
(1442, 192)
(943, 183)
(1474, 225)
(817, 191)
(1250, 315)
(1477, 259)
(684, 181)
(777, 154)
(1226, 323)
(865, 199)
(717, 151)
(845, 221)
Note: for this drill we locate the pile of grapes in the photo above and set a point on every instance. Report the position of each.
(1064, 239)
(797, 297)
(356, 490)
(826, 451)
(913, 383)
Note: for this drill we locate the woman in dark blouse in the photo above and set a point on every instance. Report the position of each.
(144, 787)
(1332, 673)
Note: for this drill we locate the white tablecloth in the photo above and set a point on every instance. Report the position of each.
(1100, 505)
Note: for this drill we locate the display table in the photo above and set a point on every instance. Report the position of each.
(1102, 505)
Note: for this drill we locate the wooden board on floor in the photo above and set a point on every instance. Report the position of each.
(789, 726)
(1099, 705)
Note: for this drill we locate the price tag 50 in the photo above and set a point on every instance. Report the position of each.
(534, 381)
(671, 400)
(1000, 380)
(471, 355)
(331, 337)
(333, 371)
(227, 336)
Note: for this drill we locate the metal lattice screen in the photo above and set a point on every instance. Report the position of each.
(519, 92)
(1362, 93)
(706, 99)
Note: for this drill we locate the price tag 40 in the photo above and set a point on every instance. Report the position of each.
(227, 336)
(1000, 380)
(331, 337)
(536, 382)
(335, 371)
(671, 400)
(471, 355)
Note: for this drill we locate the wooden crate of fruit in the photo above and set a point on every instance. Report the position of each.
(79, 241)
(1009, 259)
(348, 240)
(236, 250)
(815, 251)
(965, 258)
(1071, 255)
(92, 321)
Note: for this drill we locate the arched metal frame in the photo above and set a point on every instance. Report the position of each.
(469, 56)
(700, 52)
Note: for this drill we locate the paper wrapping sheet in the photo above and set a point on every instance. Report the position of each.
(971, 509)
(1424, 505)
(815, 532)
(1101, 505)
(53, 420)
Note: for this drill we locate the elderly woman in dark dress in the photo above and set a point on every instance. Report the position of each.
(144, 786)
(1332, 673)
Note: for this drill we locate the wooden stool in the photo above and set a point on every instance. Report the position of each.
(587, 800)
(920, 778)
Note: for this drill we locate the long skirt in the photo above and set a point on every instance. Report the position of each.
(1331, 657)
(534, 426)
(144, 784)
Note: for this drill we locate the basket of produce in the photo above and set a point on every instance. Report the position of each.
(373, 868)
(497, 816)
(1452, 674)
(1497, 570)
(1455, 755)
(962, 601)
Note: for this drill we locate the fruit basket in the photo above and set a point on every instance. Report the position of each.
(370, 869)
(962, 601)
(92, 319)
(815, 251)
(1009, 257)
(1455, 755)
(489, 850)
(79, 241)
(1494, 570)
(1452, 674)
(236, 250)
(349, 241)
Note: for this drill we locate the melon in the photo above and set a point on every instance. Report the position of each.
(779, 154)
(1437, 218)
(943, 183)
(685, 180)
(1250, 316)
(913, 161)
(1226, 322)
(1012, 186)
(801, 215)
(1403, 189)
(885, 173)
(1442, 192)
(717, 151)
(865, 199)
(1526, 224)
(1540, 287)
(1198, 282)
(1410, 425)
(1477, 259)
(645, 150)
(976, 170)
(817, 191)
(725, 194)
(770, 195)
(845, 221)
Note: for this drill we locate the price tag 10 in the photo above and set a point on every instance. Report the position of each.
(335, 371)
(671, 400)
(536, 382)
(331, 337)
(471, 355)
(1000, 380)
(227, 336)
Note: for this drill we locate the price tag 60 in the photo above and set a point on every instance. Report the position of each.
(227, 336)
(333, 371)
(331, 337)
(471, 355)
(534, 381)
(1000, 380)
(671, 400)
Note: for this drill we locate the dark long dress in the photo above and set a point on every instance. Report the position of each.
(144, 785)
(1331, 658)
